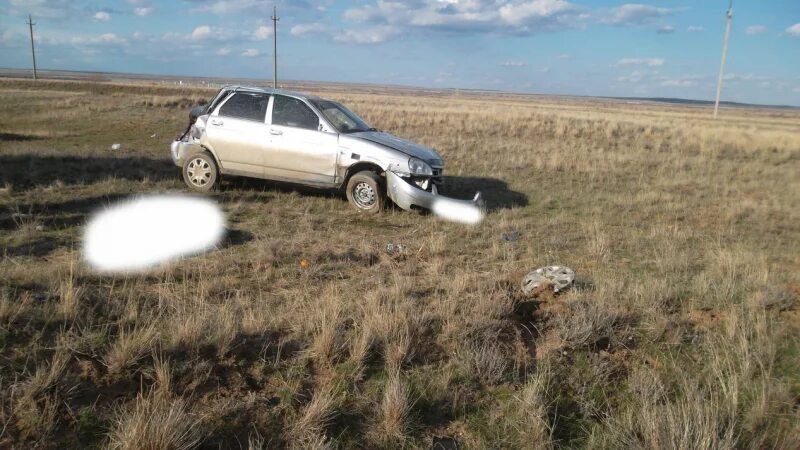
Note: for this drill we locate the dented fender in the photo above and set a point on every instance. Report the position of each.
(180, 150)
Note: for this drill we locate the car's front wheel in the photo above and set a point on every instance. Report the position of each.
(365, 192)
(200, 172)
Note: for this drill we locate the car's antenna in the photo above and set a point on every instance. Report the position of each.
(31, 23)
(728, 15)
(275, 47)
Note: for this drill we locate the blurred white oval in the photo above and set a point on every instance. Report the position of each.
(457, 211)
(147, 231)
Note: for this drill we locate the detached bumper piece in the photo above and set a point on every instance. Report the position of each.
(408, 196)
(180, 150)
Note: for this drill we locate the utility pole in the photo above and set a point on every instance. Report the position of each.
(275, 46)
(33, 50)
(728, 16)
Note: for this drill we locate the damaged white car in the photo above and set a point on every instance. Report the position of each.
(285, 136)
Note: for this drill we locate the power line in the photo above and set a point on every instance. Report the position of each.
(275, 19)
(729, 16)
(33, 49)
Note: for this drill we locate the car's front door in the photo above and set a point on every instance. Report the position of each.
(238, 133)
(300, 148)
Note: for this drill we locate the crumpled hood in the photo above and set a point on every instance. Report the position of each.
(401, 145)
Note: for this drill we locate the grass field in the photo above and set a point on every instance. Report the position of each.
(681, 330)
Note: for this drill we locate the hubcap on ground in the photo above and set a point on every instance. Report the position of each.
(199, 172)
(364, 195)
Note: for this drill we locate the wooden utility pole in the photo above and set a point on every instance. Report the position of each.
(728, 16)
(33, 49)
(275, 47)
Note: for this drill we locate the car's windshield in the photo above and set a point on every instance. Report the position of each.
(339, 116)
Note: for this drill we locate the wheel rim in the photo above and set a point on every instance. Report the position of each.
(199, 171)
(364, 195)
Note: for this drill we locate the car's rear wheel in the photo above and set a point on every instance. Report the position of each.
(365, 192)
(200, 172)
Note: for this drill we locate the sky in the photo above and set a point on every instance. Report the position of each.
(575, 47)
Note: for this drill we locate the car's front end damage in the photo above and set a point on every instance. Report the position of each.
(420, 192)
(413, 172)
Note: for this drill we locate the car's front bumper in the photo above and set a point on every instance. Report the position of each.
(408, 196)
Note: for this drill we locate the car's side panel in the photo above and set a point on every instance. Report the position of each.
(239, 144)
(301, 155)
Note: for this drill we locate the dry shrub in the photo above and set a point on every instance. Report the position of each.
(36, 407)
(154, 422)
(599, 245)
(316, 415)
(394, 414)
(69, 295)
(486, 360)
(529, 417)
(587, 324)
(129, 347)
(732, 403)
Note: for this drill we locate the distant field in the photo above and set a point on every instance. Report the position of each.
(681, 331)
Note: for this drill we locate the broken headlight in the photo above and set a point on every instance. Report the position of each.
(419, 167)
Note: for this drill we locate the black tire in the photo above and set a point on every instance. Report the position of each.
(200, 173)
(365, 192)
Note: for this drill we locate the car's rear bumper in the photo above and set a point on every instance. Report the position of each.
(180, 150)
(409, 196)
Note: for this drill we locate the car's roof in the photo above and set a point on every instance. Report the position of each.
(268, 90)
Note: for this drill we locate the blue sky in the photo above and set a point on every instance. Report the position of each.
(584, 47)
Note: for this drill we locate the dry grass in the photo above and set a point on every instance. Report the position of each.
(155, 422)
(680, 333)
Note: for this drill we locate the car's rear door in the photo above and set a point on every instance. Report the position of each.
(238, 133)
(301, 149)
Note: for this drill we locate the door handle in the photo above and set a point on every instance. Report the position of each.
(275, 132)
(217, 122)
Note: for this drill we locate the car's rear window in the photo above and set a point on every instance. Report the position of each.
(244, 105)
(291, 112)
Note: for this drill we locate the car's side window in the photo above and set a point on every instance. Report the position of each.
(291, 112)
(245, 105)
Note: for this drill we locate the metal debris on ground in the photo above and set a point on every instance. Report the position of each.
(396, 249)
(116, 146)
(510, 236)
(559, 277)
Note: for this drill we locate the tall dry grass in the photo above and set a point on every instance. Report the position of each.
(680, 332)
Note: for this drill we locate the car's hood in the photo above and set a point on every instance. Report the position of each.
(401, 145)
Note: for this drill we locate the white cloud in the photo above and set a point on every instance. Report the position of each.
(143, 11)
(223, 7)
(753, 30)
(746, 77)
(308, 28)
(101, 16)
(106, 38)
(366, 35)
(563, 56)
(679, 82)
(262, 33)
(251, 52)
(695, 29)
(519, 13)
(651, 62)
(468, 16)
(665, 29)
(794, 30)
(797, 89)
(514, 64)
(223, 51)
(631, 14)
(201, 32)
